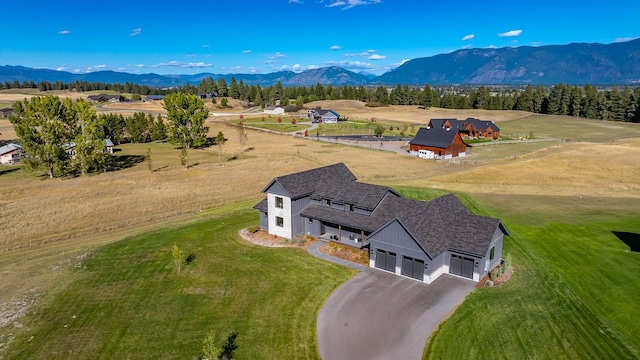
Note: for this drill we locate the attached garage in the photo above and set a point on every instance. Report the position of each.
(413, 268)
(461, 266)
(386, 260)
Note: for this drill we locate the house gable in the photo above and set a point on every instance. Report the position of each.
(394, 236)
(275, 188)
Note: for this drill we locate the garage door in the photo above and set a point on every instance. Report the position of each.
(462, 266)
(413, 268)
(385, 260)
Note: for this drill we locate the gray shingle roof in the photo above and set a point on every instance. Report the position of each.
(320, 179)
(437, 137)
(9, 148)
(441, 224)
(262, 205)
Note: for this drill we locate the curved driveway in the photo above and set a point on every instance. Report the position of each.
(379, 315)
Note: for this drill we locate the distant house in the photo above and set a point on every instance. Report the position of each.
(438, 143)
(411, 238)
(105, 98)
(5, 113)
(155, 97)
(10, 154)
(70, 148)
(324, 116)
(274, 110)
(470, 127)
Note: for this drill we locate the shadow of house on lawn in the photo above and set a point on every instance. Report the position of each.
(631, 239)
(9, 170)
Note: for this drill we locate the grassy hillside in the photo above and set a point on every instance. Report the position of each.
(126, 300)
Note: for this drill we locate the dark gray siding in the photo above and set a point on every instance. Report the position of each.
(312, 228)
(275, 188)
(394, 238)
(264, 221)
(297, 222)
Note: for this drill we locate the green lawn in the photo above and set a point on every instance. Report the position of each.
(569, 128)
(283, 127)
(575, 293)
(127, 301)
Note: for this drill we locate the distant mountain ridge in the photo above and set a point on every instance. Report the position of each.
(576, 63)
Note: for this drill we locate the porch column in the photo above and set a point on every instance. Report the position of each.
(339, 232)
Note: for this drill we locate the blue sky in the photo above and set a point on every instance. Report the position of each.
(222, 37)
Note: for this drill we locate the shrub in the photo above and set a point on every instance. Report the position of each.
(373, 104)
(253, 229)
(190, 259)
(489, 283)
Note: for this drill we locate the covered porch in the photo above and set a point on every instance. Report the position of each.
(342, 234)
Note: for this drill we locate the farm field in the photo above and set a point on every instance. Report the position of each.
(574, 294)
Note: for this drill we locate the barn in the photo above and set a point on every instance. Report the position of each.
(442, 143)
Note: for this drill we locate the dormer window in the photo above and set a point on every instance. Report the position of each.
(352, 207)
(327, 202)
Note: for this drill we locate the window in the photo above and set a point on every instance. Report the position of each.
(327, 202)
(352, 207)
(279, 221)
(310, 221)
(492, 253)
(279, 202)
(265, 214)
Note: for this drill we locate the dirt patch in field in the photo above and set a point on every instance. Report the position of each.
(16, 308)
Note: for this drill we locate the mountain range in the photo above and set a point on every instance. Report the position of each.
(576, 63)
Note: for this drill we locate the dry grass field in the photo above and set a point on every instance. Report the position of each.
(358, 110)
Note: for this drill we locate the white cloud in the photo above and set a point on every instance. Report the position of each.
(277, 55)
(348, 4)
(625, 39)
(295, 67)
(270, 61)
(492, 47)
(510, 33)
(188, 65)
(376, 57)
(246, 52)
(140, 65)
(64, 32)
(467, 46)
(63, 68)
(190, 55)
(468, 37)
(295, 2)
(366, 54)
(393, 66)
(335, 47)
(352, 65)
(536, 43)
(136, 32)
(96, 67)
(205, 46)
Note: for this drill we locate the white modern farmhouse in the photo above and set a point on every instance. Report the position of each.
(417, 239)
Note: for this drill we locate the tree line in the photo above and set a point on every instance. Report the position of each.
(561, 99)
(65, 136)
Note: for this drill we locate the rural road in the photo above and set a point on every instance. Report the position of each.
(378, 315)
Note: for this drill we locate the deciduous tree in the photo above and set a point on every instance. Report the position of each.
(46, 125)
(186, 114)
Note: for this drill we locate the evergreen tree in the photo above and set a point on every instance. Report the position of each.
(589, 107)
(222, 87)
(112, 127)
(159, 129)
(186, 115)
(234, 89)
(137, 127)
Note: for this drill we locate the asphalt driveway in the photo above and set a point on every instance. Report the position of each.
(378, 315)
